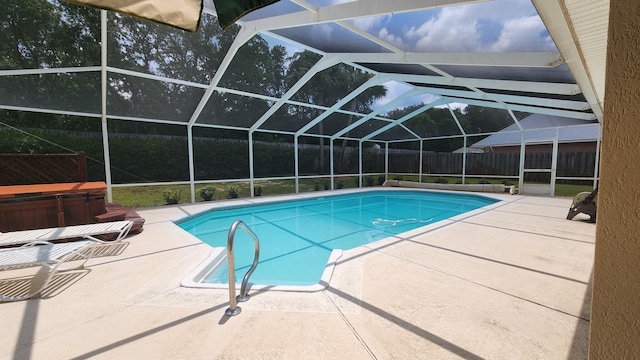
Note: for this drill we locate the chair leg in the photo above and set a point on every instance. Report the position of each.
(572, 212)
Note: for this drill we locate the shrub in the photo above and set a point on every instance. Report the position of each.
(339, 185)
(442, 180)
(380, 179)
(233, 192)
(207, 192)
(369, 180)
(316, 186)
(171, 196)
(484, 181)
(326, 185)
(257, 191)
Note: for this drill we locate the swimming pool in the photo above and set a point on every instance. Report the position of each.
(301, 239)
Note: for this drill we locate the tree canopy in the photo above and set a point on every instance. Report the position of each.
(48, 34)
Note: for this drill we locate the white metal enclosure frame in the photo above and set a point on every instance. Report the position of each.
(449, 77)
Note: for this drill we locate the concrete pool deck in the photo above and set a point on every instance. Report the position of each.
(508, 282)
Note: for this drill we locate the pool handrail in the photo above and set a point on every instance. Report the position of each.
(234, 309)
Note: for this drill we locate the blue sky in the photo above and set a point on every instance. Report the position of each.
(490, 26)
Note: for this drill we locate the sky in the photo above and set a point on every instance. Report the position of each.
(491, 26)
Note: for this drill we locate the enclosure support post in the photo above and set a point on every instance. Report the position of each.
(386, 160)
(251, 185)
(554, 163)
(192, 178)
(464, 159)
(464, 148)
(103, 91)
(522, 154)
(331, 169)
(420, 165)
(360, 160)
(296, 172)
(596, 168)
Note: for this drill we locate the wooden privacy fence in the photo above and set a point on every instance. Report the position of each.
(18, 169)
(570, 163)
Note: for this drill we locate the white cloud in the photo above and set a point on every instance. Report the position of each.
(373, 22)
(453, 106)
(454, 30)
(426, 98)
(391, 39)
(501, 25)
(517, 36)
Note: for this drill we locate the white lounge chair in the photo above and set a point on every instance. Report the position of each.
(117, 229)
(47, 255)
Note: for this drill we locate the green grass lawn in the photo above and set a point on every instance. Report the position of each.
(571, 190)
(154, 195)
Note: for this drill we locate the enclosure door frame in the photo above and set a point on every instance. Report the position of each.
(525, 188)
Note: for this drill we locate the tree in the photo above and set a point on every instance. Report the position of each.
(159, 50)
(327, 88)
(478, 119)
(361, 104)
(39, 34)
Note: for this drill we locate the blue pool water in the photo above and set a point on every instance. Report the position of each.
(297, 237)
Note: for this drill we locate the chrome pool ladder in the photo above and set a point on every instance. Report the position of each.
(234, 309)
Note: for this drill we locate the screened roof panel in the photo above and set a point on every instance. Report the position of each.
(290, 118)
(440, 86)
(360, 103)
(252, 69)
(329, 86)
(261, 66)
(490, 120)
(324, 3)
(558, 74)
(433, 122)
(281, 7)
(394, 91)
(413, 69)
(330, 38)
(232, 110)
(570, 97)
(160, 50)
(404, 106)
(333, 124)
(395, 133)
(366, 128)
(133, 96)
(491, 26)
